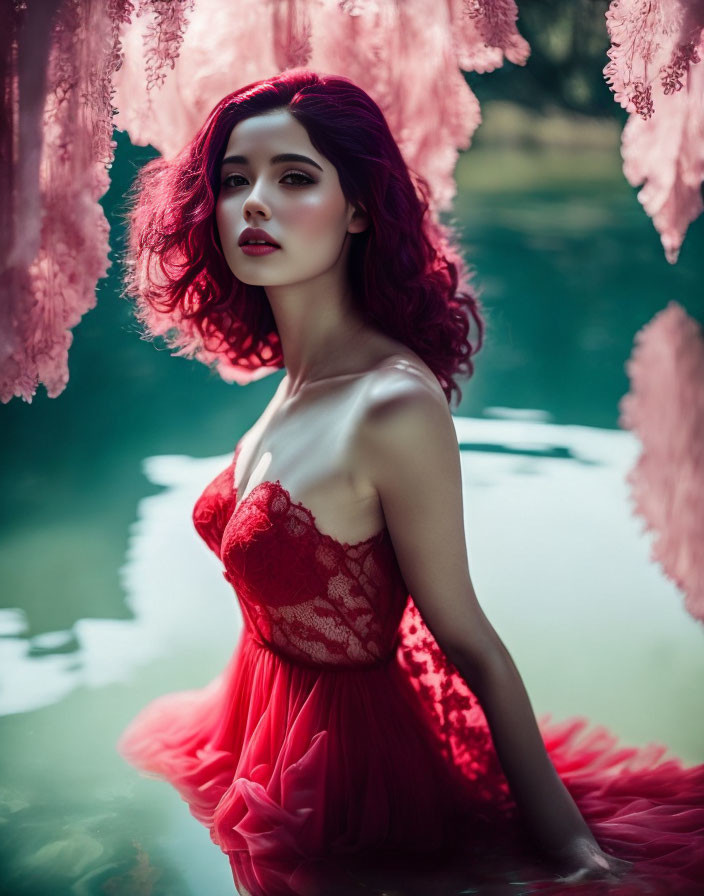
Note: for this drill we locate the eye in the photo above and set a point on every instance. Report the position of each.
(228, 178)
(300, 179)
(299, 174)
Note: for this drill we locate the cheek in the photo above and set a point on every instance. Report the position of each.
(225, 215)
(316, 215)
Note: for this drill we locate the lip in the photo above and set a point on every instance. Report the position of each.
(256, 233)
(259, 250)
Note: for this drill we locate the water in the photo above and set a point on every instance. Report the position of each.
(110, 599)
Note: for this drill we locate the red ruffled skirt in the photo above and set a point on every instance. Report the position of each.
(304, 773)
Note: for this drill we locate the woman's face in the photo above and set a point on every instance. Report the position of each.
(297, 201)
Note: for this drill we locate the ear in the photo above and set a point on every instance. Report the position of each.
(359, 220)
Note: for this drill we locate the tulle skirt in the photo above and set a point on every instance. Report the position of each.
(307, 775)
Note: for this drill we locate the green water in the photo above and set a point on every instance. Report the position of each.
(569, 268)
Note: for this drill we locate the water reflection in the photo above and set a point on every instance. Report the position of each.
(164, 570)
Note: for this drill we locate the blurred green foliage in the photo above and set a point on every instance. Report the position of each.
(568, 40)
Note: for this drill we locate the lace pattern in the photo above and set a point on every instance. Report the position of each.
(211, 511)
(323, 603)
(310, 596)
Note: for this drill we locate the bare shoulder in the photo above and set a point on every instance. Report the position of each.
(405, 411)
(398, 381)
(409, 452)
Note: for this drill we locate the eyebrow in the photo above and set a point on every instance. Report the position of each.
(282, 157)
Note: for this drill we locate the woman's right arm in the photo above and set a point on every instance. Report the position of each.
(410, 447)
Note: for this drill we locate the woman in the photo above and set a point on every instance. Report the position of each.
(290, 232)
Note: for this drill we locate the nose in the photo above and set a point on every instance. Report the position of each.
(255, 204)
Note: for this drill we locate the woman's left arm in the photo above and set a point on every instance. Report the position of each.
(408, 443)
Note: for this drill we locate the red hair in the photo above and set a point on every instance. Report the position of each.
(407, 276)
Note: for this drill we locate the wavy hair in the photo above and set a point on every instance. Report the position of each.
(408, 278)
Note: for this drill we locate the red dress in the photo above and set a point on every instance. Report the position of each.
(340, 732)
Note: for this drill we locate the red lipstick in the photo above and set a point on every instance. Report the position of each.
(258, 249)
(255, 241)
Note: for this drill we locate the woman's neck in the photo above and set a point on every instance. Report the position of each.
(319, 339)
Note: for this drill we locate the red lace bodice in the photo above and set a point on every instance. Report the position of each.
(303, 593)
(321, 602)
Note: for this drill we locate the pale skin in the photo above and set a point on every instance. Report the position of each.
(360, 432)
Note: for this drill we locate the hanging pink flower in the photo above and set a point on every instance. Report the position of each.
(164, 64)
(60, 58)
(655, 74)
(406, 56)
